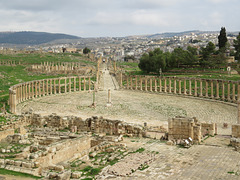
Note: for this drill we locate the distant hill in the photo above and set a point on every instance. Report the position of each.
(31, 38)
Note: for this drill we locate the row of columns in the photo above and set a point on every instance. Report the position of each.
(215, 89)
(34, 89)
(9, 63)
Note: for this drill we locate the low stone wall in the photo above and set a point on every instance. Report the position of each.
(204, 88)
(33, 89)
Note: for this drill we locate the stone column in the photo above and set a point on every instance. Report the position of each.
(47, 91)
(141, 83)
(131, 83)
(39, 87)
(59, 85)
(160, 84)
(179, 86)
(195, 88)
(201, 89)
(185, 86)
(79, 83)
(165, 85)
(43, 86)
(229, 91)
(109, 96)
(89, 83)
(36, 89)
(50, 85)
(170, 85)
(206, 95)
(136, 82)
(65, 85)
(233, 92)
(175, 86)
(74, 84)
(146, 81)
(32, 93)
(121, 79)
(238, 120)
(190, 87)
(127, 82)
(212, 95)
(150, 84)
(84, 83)
(54, 85)
(217, 89)
(13, 102)
(155, 83)
(24, 92)
(70, 84)
(238, 96)
(223, 91)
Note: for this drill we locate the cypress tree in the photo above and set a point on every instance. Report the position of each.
(222, 39)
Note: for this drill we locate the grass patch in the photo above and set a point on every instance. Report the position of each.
(13, 173)
(140, 150)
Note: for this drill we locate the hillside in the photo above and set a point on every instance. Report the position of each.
(31, 38)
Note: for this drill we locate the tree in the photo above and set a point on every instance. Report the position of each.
(153, 61)
(237, 47)
(222, 39)
(86, 50)
(206, 55)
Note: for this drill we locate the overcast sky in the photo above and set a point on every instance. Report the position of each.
(94, 18)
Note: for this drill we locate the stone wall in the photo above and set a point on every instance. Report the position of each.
(204, 88)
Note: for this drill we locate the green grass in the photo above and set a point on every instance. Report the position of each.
(140, 150)
(13, 173)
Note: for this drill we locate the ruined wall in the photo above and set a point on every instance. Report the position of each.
(94, 124)
(208, 129)
(236, 130)
(5, 133)
(183, 128)
(63, 151)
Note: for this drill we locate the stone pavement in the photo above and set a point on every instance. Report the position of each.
(215, 161)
